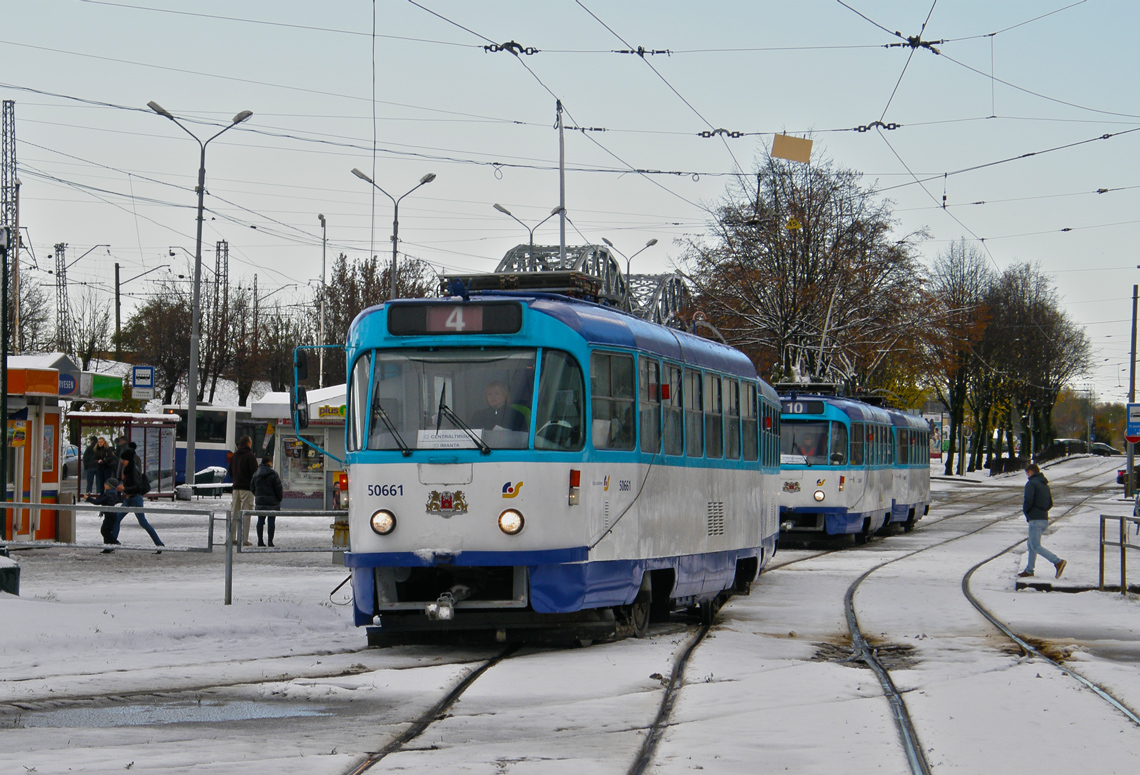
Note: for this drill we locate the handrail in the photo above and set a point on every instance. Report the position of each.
(231, 534)
(148, 508)
(1124, 545)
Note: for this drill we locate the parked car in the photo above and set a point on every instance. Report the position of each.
(1135, 476)
(1100, 448)
(69, 461)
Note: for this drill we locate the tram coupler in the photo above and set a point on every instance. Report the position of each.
(443, 609)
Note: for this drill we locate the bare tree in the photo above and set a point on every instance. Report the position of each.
(806, 275)
(91, 327)
(37, 318)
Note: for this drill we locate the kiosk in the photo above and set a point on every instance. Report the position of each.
(306, 474)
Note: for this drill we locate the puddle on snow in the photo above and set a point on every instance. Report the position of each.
(182, 712)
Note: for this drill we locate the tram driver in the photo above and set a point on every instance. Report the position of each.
(499, 412)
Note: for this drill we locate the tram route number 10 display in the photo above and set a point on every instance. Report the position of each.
(802, 407)
(429, 319)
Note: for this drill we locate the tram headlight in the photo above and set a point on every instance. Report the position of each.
(818, 495)
(511, 522)
(383, 522)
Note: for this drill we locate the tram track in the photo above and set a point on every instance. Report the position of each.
(864, 652)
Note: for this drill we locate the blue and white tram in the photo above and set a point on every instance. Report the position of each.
(520, 460)
(910, 491)
(850, 468)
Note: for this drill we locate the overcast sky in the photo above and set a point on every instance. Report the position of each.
(328, 82)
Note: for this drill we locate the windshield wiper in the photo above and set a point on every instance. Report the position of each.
(405, 450)
(796, 449)
(443, 410)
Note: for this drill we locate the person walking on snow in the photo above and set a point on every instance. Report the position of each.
(133, 486)
(1035, 506)
(243, 465)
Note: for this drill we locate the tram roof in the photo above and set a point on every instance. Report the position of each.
(601, 325)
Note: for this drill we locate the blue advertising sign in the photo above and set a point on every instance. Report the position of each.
(68, 385)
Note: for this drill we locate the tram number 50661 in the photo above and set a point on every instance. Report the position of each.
(385, 490)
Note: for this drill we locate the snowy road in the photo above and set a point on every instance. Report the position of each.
(130, 659)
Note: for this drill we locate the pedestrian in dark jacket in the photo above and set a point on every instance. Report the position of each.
(1035, 506)
(132, 487)
(267, 494)
(243, 465)
(109, 497)
(90, 468)
(105, 461)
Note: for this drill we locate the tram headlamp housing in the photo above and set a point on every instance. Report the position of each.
(383, 522)
(511, 522)
(818, 495)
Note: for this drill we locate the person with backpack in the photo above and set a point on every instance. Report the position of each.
(133, 486)
(267, 495)
(1035, 506)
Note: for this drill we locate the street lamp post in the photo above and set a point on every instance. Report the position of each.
(118, 332)
(324, 244)
(196, 308)
(530, 230)
(628, 261)
(428, 178)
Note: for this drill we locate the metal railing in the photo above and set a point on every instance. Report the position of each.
(1123, 544)
(236, 538)
(63, 508)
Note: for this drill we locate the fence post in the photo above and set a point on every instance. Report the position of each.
(1123, 556)
(229, 557)
(1102, 521)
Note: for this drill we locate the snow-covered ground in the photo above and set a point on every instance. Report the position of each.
(131, 660)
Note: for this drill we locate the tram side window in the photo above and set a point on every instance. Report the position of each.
(856, 443)
(694, 432)
(748, 425)
(714, 410)
(560, 411)
(732, 419)
(611, 388)
(672, 436)
(358, 401)
(649, 396)
(902, 436)
(838, 455)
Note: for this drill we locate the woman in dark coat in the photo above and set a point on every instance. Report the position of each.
(267, 494)
(105, 461)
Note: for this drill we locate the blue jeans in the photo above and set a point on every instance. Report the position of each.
(1036, 529)
(137, 501)
(92, 474)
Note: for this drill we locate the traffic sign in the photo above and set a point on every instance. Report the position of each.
(1132, 429)
(142, 382)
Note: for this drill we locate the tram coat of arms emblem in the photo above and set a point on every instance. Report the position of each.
(791, 486)
(446, 503)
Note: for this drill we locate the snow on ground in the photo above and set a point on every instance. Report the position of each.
(131, 661)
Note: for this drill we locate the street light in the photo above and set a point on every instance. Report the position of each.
(196, 309)
(118, 332)
(428, 178)
(530, 230)
(628, 261)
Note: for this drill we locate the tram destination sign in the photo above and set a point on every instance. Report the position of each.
(802, 407)
(433, 319)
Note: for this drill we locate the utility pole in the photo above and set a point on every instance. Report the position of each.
(1129, 488)
(561, 189)
(321, 335)
(118, 330)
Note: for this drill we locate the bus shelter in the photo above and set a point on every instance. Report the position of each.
(152, 435)
(38, 386)
(307, 475)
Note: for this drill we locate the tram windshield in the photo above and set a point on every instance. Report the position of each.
(452, 399)
(804, 442)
